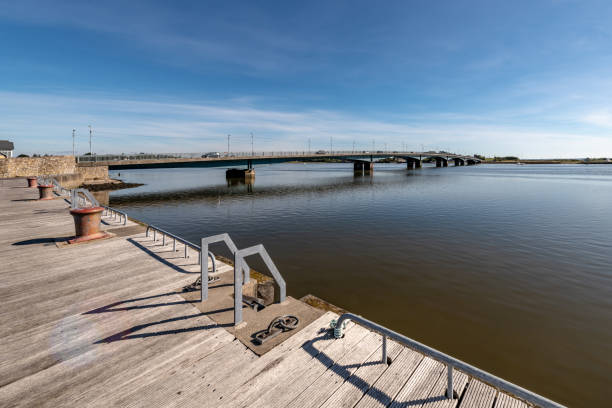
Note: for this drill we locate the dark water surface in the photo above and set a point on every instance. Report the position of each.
(506, 267)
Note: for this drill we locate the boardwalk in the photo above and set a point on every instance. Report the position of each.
(102, 324)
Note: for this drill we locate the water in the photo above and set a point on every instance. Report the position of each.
(506, 267)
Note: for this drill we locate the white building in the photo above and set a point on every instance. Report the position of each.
(6, 149)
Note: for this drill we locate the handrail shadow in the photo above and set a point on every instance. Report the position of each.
(159, 258)
(359, 383)
(112, 307)
(127, 334)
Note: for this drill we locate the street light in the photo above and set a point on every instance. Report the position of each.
(90, 133)
(73, 149)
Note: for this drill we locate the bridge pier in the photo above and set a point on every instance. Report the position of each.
(412, 163)
(459, 162)
(363, 167)
(441, 162)
(240, 174)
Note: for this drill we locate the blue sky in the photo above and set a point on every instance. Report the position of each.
(529, 78)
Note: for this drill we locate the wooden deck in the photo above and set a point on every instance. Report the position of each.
(102, 324)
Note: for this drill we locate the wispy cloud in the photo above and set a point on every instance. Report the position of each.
(600, 118)
(43, 123)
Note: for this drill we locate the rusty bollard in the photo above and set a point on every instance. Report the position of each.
(32, 182)
(87, 224)
(45, 192)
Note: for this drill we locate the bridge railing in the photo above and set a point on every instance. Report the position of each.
(238, 154)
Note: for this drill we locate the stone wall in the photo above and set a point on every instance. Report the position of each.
(63, 168)
(93, 172)
(38, 166)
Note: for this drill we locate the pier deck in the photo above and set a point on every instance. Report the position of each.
(102, 324)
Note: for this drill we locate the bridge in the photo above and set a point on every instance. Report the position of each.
(363, 161)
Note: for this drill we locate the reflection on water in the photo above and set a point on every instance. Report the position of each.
(506, 267)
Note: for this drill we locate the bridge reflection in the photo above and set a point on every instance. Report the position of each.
(238, 187)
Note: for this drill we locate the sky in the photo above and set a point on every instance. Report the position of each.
(526, 78)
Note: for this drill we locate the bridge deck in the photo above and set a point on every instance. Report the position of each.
(102, 324)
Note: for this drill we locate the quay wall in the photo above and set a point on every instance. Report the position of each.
(63, 168)
(93, 172)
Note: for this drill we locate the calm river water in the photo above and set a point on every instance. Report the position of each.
(506, 267)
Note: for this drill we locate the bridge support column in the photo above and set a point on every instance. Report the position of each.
(240, 174)
(413, 163)
(459, 162)
(441, 162)
(363, 167)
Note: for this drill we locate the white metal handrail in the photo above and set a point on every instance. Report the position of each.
(225, 238)
(450, 362)
(175, 239)
(115, 213)
(86, 200)
(239, 263)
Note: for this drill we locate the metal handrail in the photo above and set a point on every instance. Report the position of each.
(239, 263)
(450, 362)
(77, 199)
(58, 187)
(186, 243)
(115, 213)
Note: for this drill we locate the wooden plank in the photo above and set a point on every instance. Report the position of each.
(283, 367)
(168, 382)
(217, 384)
(506, 401)
(362, 380)
(90, 370)
(393, 379)
(437, 397)
(420, 384)
(294, 382)
(324, 386)
(478, 395)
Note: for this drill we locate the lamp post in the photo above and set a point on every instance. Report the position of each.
(90, 134)
(228, 144)
(73, 149)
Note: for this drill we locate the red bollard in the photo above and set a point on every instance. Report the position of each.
(45, 192)
(87, 224)
(32, 182)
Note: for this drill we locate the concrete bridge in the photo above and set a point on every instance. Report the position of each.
(363, 161)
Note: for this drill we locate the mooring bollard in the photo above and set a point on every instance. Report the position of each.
(87, 224)
(32, 182)
(45, 192)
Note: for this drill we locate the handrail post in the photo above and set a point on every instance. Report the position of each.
(384, 349)
(449, 381)
(237, 288)
(204, 270)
